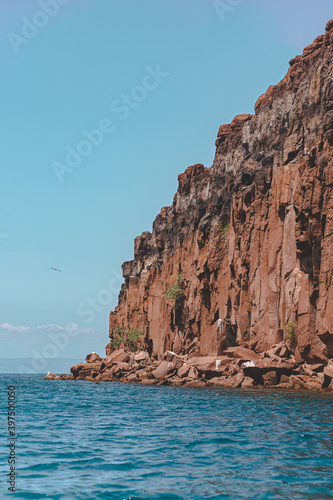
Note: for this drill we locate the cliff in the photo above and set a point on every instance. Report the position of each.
(233, 286)
(271, 180)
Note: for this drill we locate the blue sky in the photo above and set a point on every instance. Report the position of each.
(179, 69)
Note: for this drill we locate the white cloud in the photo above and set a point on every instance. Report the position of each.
(44, 329)
(15, 329)
(50, 328)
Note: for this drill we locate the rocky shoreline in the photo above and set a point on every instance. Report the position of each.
(237, 367)
(233, 285)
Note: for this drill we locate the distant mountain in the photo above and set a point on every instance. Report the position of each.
(36, 365)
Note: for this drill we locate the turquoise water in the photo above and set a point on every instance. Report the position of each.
(79, 440)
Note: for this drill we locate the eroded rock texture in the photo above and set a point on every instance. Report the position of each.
(272, 181)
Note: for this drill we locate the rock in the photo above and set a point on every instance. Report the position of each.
(329, 25)
(312, 369)
(120, 367)
(193, 373)
(280, 350)
(306, 382)
(248, 364)
(84, 370)
(247, 383)
(284, 379)
(269, 378)
(92, 357)
(246, 354)
(117, 356)
(235, 381)
(205, 363)
(75, 369)
(148, 381)
(106, 375)
(328, 373)
(266, 365)
(163, 370)
(169, 355)
(51, 376)
(141, 356)
(132, 377)
(196, 383)
(328, 370)
(216, 381)
(183, 370)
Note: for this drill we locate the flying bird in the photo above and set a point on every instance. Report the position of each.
(54, 269)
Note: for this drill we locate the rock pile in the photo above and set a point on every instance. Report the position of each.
(236, 367)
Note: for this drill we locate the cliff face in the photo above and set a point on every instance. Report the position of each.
(272, 181)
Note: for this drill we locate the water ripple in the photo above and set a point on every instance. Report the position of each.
(116, 441)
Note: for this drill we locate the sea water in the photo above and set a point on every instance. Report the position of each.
(80, 440)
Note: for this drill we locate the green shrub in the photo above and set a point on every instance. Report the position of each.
(225, 232)
(289, 331)
(126, 336)
(167, 227)
(176, 293)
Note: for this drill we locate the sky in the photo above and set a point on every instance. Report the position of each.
(103, 104)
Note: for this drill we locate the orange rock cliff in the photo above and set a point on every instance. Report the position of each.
(234, 285)
(271, 180)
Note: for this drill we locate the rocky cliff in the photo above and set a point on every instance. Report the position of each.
(233, 287)
(249, 241)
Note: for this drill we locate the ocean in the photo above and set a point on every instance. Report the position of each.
(80, 440)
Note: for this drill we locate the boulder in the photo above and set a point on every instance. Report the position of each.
(51, 376)
(92, 357)
(148, 381)
(285, 379)
(269, 378)
(87, 373)
(106, 375)
(247, 383)
(312, 369)
(328, 373)
(85, 370)
(141, 356)
(246, 354)
(235, 381)
(280, 350)
(205, 363)
(196, 383)
(268, 365)
(75, 369)
(169, 355)
(183, 370)
(163, 369)
(328, 370)
(120, 367)
(306, 382)
(216, 381)
(193, 373)
(118, 356)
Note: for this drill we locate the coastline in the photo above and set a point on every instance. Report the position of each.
(237, 367)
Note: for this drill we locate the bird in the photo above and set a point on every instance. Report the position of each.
(54, 269)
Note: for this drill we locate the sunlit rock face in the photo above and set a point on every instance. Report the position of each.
(271, 180)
